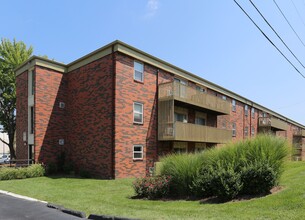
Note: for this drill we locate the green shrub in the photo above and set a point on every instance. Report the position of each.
(182, 168)
(251, 167)
(9, 173)
(258, 178)
(152, 187)
(221, 181)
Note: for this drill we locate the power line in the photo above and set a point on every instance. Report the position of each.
(268, 39)
(288, 22)
(298, 12)
(276, 33)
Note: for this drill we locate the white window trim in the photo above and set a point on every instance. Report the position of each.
(142, 118)
(234, 105)
(141, 152)
(246, 110)
(234, 129)
(253, 112)
(134, 71)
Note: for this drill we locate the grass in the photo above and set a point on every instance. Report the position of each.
(111, 197)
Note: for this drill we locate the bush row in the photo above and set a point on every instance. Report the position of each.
(250, 167)
(9, 173)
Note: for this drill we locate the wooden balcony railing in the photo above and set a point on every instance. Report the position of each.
(187, 94)
(180, 131)
(272, 123)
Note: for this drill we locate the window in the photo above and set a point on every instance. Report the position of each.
(246, 110)
(233, 105)
(253, 112)
(180, 117)
(224, 97)
(252, 130)
(200, 147)
(137, 152)
(246, 131)
(32, 82)
(180, 147)
(32, 120)
(138, 71)
(138, 113)
(234, 129)
(199, 121)
(200, 89)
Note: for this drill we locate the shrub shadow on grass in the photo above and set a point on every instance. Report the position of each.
(216, 200)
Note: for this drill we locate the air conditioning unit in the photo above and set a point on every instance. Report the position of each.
(61, 142)
(62, 105)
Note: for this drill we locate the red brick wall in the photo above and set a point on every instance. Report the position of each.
(50, 120)
(22, 115)
(89, 110)
(128, 133)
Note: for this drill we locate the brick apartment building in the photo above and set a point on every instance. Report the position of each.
(116, 110)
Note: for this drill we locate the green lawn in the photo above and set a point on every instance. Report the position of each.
(111, 197)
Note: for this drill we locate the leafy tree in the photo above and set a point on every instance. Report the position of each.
(12, 54)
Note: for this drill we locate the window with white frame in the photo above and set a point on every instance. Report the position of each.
(138, 71)
(233, 105)
(252, 130)
(234, 129)
(137, 152)
(224, 97)
(138, 112)
(246, 110)
(253, 112)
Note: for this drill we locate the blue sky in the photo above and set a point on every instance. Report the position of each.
(212, 39)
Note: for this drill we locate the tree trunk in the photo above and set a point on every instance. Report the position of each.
(11, 137)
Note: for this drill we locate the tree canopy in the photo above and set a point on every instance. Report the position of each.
(12, 54)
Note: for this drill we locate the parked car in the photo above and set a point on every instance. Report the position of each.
(5, 158)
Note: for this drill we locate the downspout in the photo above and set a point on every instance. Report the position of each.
(113, 111)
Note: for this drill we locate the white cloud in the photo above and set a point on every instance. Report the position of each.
(152, 7)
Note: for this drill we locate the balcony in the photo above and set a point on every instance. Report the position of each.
(299, 133)
(180, 131)
(186, 94)
(272, 123)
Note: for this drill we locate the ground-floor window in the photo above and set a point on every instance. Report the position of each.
(31, 154)
(200, 147)
(180, 147)
(137, 152)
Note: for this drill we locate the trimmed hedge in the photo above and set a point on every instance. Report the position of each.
(9, 173)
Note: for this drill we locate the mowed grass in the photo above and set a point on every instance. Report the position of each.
(112, 197)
